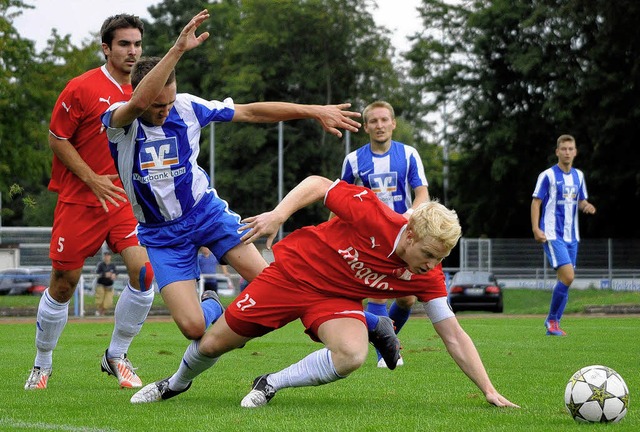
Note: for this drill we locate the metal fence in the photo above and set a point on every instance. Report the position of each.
(602, 263)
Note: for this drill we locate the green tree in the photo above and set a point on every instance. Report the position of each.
(517, 75)
(29, 84)
(312, 51)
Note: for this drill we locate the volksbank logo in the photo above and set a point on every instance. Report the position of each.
(384, 183)
(159, 153)
(569, 192)
(367, 275)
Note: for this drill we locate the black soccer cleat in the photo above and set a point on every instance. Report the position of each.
(385, 340)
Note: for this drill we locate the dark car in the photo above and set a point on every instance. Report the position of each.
(24, 280)
(475, 290)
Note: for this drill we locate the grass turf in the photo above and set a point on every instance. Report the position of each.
(428, 393)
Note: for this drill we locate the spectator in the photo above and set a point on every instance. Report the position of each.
(107, 274)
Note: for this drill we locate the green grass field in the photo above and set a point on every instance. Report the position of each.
(428, 393)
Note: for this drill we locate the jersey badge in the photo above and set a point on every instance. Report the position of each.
(384, 183)
(159, 154)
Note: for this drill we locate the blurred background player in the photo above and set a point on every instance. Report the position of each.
(92, 207)
(559, 193)
(107, 274)
(392, 170)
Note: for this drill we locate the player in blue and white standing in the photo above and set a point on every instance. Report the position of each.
(155, 140)
(559, 193)
(392, 170)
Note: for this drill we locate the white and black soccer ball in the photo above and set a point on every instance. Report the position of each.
(596, 394)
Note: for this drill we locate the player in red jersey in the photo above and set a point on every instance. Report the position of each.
(320, 275)
(92, 207)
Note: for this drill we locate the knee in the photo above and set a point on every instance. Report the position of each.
(406, 302)
(142, 278)
(349, 359)
(62, 286)
(192, 330)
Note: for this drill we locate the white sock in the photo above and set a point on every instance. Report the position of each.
(313, 370)
(131, 311)
(50, 321)
(193, 364)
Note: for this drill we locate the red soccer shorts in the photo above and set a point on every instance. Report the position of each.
(273, 300)
(79, 231)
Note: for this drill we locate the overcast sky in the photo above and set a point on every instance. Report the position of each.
(81, 17)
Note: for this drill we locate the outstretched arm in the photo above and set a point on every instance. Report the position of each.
(152, 84)
(331, 117)
(463, 351)
(308, 191)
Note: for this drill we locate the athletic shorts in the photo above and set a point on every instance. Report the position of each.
(560, 253)
(273, 300)
(173, 247)
(79, 231)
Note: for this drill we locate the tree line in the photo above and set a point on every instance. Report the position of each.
(501, 78)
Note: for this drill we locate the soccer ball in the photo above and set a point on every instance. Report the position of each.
(596, 394)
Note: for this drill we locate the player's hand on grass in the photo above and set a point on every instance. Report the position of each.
(334, 117)
(500, 401)
(265, 224)
(104, 188)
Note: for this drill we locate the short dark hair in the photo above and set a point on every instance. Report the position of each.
(143, 67)
(120, 21)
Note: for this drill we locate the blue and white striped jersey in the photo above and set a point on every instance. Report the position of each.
(158, 164)
(560, 193)
(390, 175)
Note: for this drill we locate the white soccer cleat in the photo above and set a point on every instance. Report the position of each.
(156, 392)
(261, 393)
(38, 379)
(121, 368)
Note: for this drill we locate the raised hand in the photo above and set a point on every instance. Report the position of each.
(188, 39)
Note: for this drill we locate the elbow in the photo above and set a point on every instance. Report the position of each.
(139, 106)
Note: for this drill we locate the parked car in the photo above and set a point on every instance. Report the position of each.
(24, 280)
(475, 290)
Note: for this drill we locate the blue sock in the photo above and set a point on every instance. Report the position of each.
(372, 320)
(212, 311)
(377, 309)
(562, 306)
(399, 316)
(558, 298)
